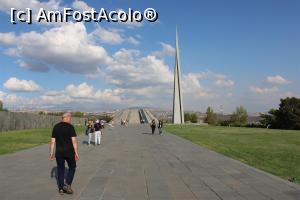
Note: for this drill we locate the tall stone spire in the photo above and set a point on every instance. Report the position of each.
(178, 115)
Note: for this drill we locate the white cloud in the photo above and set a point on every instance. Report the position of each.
(83, 97)
(128, 23)
(276, 80)
(17, 85)
(2, 95)
(167, 50)
(229, 94)
(81, 5)
(32, 65)
(126, 57)
(149, 92)
(55, 98)
(82, 90)
(107, 36)
(136, 79)
(67, 48)
(110, 96)
(8, 38)
(128, 70)
(218, 76)
(192, 87)
(224, 83)
(133, 41)
(85, 93)
(263, 91)
(15, 101)
(221, 80)
(111, 36)
(130, 88)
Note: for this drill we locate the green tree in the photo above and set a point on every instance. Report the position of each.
(286, 117)
(77, 114)
(191, 117)
(211, 117)
(267, 120)
(239, 117)
(187, 117)
(194, 118)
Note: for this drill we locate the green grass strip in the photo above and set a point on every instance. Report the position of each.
(13, 141)
(274, 151)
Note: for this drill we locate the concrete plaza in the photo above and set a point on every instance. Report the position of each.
(132, 164)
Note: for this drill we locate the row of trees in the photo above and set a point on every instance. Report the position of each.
(287, 116)
(238, 118)
(74, 114)
(191, 117)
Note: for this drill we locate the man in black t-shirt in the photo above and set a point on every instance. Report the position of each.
(160, 126)
(64, 136)
(153, 126)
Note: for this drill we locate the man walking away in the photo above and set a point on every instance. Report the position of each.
(64, 137)
(153, 125)
(97, 127)
(160, 126)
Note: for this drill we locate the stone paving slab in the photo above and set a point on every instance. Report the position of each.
(133, 164)
(134, 117)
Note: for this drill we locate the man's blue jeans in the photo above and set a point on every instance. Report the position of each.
(61, 170)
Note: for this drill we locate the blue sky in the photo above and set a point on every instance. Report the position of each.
(232, 53)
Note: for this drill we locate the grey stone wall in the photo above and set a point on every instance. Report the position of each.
(16, 121)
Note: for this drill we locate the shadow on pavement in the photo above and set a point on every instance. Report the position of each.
(53, 174)
(147, 133)
(86, 143)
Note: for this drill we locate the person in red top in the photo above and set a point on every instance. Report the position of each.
(64, 139)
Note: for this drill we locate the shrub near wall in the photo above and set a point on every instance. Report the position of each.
(15, 121)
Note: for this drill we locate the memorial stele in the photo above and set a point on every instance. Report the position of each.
(178, 114)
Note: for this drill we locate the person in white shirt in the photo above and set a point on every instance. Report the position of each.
(97, 127)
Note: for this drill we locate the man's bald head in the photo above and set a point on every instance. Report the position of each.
(66, 117)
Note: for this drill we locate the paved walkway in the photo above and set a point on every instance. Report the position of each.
(132, 164)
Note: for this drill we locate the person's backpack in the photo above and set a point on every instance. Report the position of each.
(87, 130)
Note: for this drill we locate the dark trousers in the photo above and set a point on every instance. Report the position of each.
(160, 130)
(61, 170)
(153, 129)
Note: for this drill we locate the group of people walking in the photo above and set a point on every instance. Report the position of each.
(64, 141)
(95, 128)
(159, 126)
